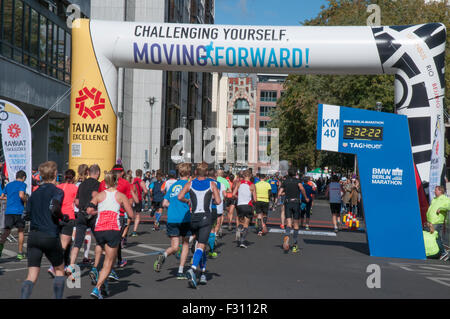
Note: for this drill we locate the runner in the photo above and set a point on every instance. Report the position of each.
(246, 196)
(230, 202)
(305, 206)
(226, 190)
(15, 195)
(178, 221)
(274, 190)
(83, 174)
(141, 191)
(86, 190)
(263, 191)
(292, 188)
(201, 192)
(217, 213)
(44, 212)
(67, 208)
(107, 205)
(333, 193)
(157, 198)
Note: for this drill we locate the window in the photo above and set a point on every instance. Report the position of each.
(268, 96)
(241, 120)
(38, 41)
(265, 110)
(263, 124)
(241, 104)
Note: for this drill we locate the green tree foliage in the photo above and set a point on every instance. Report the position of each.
(296, 114)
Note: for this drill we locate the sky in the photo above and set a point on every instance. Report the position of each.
(266, 12)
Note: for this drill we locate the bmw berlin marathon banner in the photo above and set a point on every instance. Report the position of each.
(16, 141)
(414, 54)
(382, 144)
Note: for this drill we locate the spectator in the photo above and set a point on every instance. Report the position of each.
(436, 214)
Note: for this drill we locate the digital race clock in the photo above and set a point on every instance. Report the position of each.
(363, 132)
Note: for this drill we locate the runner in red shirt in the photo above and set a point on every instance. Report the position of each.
(141, 192)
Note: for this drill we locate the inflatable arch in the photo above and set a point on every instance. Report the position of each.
(415, 54)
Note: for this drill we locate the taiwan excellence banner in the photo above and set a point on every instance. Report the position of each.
(437, 160)
(16, 141)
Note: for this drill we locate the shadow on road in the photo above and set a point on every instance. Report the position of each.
(362, 248)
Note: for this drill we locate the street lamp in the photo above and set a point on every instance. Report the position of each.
(151, 101)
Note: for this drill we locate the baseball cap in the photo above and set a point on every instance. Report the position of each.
(172, 172)
(343, 179)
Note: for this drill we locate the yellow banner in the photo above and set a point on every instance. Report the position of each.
(92, 118)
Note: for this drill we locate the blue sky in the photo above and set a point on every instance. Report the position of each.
(266, 12)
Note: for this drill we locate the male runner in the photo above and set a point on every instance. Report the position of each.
(86, 190)
(292, 188)
(157, 198)
(263, 191)
(217, 213)
(141, 190)
(226, 189)
(201, 191)
(305, 207)
(15, 195)
(333, 193)
(44, 212)
(178, 221)
(246, 196)
(230, 202)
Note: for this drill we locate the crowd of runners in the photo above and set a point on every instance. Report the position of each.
(66, 216)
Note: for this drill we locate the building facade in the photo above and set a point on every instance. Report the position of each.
(35, 62)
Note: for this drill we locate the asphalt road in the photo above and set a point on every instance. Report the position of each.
(328, 266)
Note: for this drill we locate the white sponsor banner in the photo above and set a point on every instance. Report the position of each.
(330, 128)
(437, 156)
(16, 141)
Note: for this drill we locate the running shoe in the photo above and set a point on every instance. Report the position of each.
(134, 234)
(94, 275)
(444, 256)
(181, 276)
(192, 279)
(212, 255)
(295, 249)
(260, 233)
(1, 249)
(282, 226)
(96, 293)
(51, 272)
(159, 262)
(336, 230)
(122, 263)
(242, 245)
(20, 257)
(307, 227)
(286, 243)
(113, 275)
(203, 280)
(105, 289)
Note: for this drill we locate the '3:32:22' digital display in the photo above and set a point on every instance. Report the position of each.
(357, 132)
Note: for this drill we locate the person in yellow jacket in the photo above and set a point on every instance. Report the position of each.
(436, 214)
(430, 237)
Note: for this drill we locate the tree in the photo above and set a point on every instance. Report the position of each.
(296, 114)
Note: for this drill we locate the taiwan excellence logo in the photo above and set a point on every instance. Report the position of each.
(14, 130)
(86, 97)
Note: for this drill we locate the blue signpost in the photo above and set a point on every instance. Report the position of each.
(382, 144)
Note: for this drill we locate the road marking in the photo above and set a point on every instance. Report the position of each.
(305, 232)
(151, 247)
(132, 252)
(434, 272)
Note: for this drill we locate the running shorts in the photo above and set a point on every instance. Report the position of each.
(111, 238)
(156, 205)
(335, 208)
(82, 223)
(230, 201)
(292, 209)
(40, 243)
(179, 229)
(201, 226)
(67, 228)
(262, 207)
(12, 220)
(306, 211)
(245, 211)
(137, 207)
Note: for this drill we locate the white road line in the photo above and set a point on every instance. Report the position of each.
(151, 247)
(133, 253)
(305, 232)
